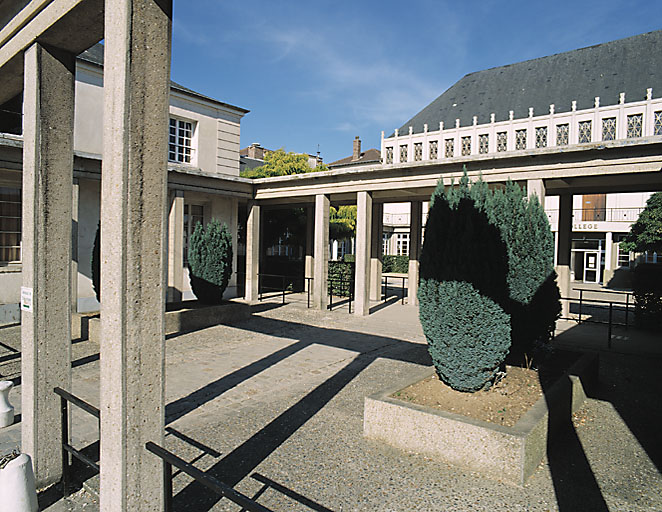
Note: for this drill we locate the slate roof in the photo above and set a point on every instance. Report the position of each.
(366, 157)
(628, 65)
(94, 55)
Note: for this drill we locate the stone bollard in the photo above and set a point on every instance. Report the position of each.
(17, 485)
(6, 409)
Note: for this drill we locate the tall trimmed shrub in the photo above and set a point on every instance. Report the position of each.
(210, 261)
(487, 280)
(647, 287)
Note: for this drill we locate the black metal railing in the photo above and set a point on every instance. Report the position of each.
(65, 399)
(402, 287)
(170, 459)
(342, 286)
(278, 285)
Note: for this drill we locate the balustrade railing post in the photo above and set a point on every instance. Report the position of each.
(609, 329)
(627, 309)
(167, 486)
(581, 296)
(64, 410)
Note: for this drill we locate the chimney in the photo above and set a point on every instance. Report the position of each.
(256, 151)
(356, 154)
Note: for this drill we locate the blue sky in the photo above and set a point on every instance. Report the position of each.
(316, 73)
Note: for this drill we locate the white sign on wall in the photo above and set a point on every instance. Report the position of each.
(26, 299)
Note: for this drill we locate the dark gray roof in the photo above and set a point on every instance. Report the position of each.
(94, 55)
(628, 65)
(367, 157)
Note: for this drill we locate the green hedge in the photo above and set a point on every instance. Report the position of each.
(647, 287)
(398, 264)
(341, 270)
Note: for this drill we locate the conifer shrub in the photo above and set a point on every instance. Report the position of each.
(210, 261)
(647, 287)
(488, 284)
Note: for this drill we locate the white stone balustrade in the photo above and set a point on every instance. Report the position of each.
(6, 409)
(650, 109)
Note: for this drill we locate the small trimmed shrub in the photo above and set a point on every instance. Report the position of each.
(647, 287)
(398, 264)
(210, 261)
(96, 263)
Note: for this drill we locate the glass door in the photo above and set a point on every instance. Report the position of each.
(591, 267)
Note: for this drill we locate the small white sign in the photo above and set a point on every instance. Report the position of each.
(26, 299)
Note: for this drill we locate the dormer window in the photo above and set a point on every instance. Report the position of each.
(180, 143)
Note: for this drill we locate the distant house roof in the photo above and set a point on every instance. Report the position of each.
(628, 65)
(367, 157)
(94, 55)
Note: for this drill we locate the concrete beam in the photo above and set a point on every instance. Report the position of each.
(363, 240)
(133, 223)
(47, 215)
(536, 188)
(321, 253)
(415, 240)
(253, 234)
(376, 251)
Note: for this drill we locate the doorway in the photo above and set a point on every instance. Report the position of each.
(591, 267)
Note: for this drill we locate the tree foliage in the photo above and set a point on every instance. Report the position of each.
(646, 233)
(282, 163)
(210, 261)
(342, 222)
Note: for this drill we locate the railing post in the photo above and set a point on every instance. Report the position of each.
(627, 309)
(609, 329)
(64, 411)
(581, 296)
(167, 486)
(403, 291)
(283, 286)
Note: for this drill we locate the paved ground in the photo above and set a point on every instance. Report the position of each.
(281, 396)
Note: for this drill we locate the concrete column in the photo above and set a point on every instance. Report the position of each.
(363, 239)
(415, 238)
(48, 123)
(610, 257)
(321, 253)
(537, 188)
(564, 250)
(310, 235)
(253, 251)
(376, 251)
(133, 222)
(176, 246)
(74, 248)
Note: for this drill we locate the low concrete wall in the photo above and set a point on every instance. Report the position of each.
(504, 453)
(189, 317)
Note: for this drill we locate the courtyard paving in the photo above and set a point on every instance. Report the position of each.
(279, 399)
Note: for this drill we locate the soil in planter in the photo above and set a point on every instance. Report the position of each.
(503, 404)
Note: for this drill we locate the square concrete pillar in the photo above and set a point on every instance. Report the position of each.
(415, 238)
(133, 260)
(363, 240)
(536, 188)
(176, 246)
(48, 124)
(563, 250)
(310, 236)
(75, 194)
(321, 253)
(376, 251)
(253, 233)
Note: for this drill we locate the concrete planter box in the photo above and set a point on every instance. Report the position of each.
(186, 317)
(503, 453)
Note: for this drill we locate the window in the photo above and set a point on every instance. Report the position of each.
(502, 141)
(449, 148)
(584, 131)
(418, 151)
(10, 225)
(541, 137)
(389, 155)
(609, 128)
(520, 139)
(623, 257)
(403, 153)
(562, 134)
(193, 213)
(180, 147)
(657, 125)
(402, 244)
(483, 143)
(434, 150)
(635, 122)
(466, 146)
(386, 238)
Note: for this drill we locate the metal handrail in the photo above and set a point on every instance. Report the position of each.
(341, 280)
(65, 399)
(386, 278)
(170, 459)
